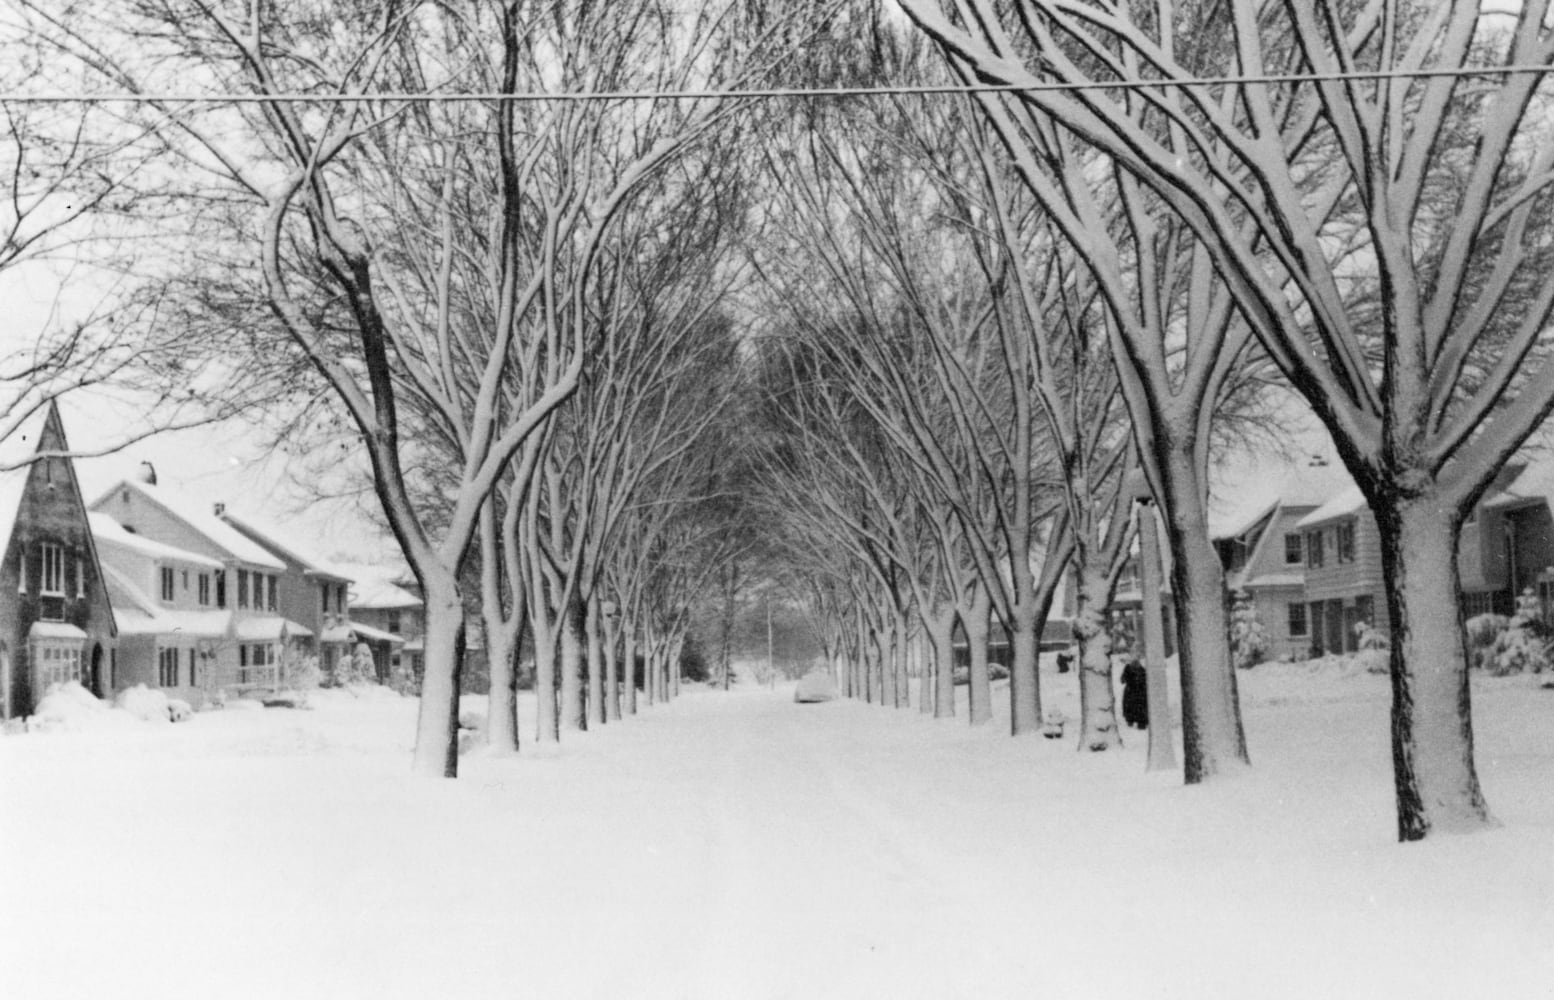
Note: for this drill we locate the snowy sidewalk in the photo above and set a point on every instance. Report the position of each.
(742, 846)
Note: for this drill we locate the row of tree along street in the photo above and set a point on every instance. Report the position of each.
(909, 355)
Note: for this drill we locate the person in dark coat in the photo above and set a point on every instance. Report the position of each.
(1135, 695)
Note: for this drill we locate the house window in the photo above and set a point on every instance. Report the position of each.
(53, 570)
(185, 579)
(393, 622)
(1315, 625)
(1314, 549)
(271, 602)
(192, 681)
(324, 589)
(204, 589)
(57, 662)
(1365, 609)
(221, 588)
(1475, 603)
(1294, 551)
(167, 667)
(1345, 542)
(1297, 619)
(80, 577)
(340, 599)
(167, 583)
(242, 588)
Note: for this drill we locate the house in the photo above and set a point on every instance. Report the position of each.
(246, 586)
(1508, 544)
(1265, 556)
(171, 634)
(311, 591)
(56, 624)
(388, 617)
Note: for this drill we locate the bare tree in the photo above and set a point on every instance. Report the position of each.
(1390, 265)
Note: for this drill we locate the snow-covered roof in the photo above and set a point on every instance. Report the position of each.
(373, 587)
(201, 519)
(137, 614)
(375, 634)
(107, 531)
(1346, 502)
(270, 627)
(1534, 482)
(54, 630)
(280, 542)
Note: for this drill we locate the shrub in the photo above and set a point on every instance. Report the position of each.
(1249, 641)
(1521, 646)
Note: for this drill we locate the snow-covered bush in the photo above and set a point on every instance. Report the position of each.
(363, 669)
(72, 708)
(143, 703)
(1248, 637)
(404, 680)
(1483, 630)
(299, 673)
(1521, 646)
(1375, 653)
(179, 710)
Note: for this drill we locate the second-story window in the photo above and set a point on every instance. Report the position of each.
(242, 588)
(167, 583)
(1294, 551)
(53, 571)
(1314, 548)
(393, 622)
(1345, 542)
(204, 589)
(221, 588)
(271, 602)
(340, 599)
(323, 588)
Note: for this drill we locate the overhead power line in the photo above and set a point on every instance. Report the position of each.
(769, 93)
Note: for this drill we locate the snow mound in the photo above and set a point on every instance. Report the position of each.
(179, 710)
(815, 687)
(69, 707)
(243, 705)
(143, 703)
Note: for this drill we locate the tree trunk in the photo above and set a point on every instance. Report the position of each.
(574, 714)
(1212, 738)
(612, 673)
(502, 706)
(923, 655)
(979, 690)
(436, 752)
(546, 728)
(1432, 725)
(941, 630)
(593, 627)
(886, 661)
(1097, 703)
(1162, 751)
(1024, 680)
(629, 664)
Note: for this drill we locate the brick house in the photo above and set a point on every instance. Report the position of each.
(56, 623)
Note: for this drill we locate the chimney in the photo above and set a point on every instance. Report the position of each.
(220, 509)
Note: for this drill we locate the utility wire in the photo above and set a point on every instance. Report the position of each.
(773, 93)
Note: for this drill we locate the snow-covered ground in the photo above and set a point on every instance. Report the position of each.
(743, 846)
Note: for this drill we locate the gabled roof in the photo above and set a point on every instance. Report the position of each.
(374, 587)
(279, 543)
(137, 614)
(1533, 482)
(202, 520)
(107, 531)
(17, 448)
(1343, 504)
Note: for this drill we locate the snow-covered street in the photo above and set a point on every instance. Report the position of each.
(742, 846)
